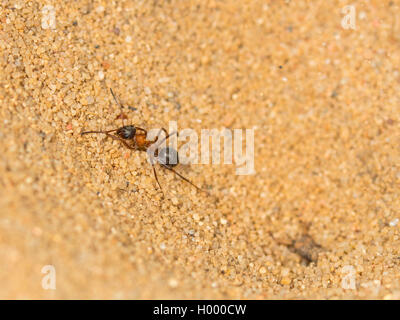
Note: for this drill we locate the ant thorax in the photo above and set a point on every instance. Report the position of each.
(142, 142)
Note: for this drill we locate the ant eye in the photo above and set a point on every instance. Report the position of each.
(127, 132)
(168, 157)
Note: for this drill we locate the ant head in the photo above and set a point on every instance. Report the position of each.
(168, 157)
(126, 132)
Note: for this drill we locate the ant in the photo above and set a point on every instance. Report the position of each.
(135, 138)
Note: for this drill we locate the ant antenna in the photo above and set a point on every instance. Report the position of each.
(105, 132)
(116, 100)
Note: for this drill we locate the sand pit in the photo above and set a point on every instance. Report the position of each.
(319, 219)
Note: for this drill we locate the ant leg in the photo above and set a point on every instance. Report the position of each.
(105, 132)
(166, 132)
(183, 178)
(122, 140)
(137, 128)
(116, 100)
(158, 135)
(158, 182)
(166, 137)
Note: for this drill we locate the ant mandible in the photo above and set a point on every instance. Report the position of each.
(135, 138)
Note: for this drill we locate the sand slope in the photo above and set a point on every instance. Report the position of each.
(322, 209)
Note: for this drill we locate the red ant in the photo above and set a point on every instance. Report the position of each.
(135, 138)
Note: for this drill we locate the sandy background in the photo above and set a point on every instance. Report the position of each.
(325, 104)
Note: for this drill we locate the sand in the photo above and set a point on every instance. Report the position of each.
(318, 220)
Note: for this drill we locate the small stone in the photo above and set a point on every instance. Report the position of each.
(61, 116)
(286, 281)
(69, 77)
(362, 15)
(163, 80)
(90, 99)
(116, 31)
(394, 222)
(173, 283)
(147, 90)
(100, 9)
(285, 272)
(87, 100)
(37, 232)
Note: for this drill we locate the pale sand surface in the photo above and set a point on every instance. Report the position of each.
(326, 150)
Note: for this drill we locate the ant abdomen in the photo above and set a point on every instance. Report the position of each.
(168, 157)
(126, 132)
